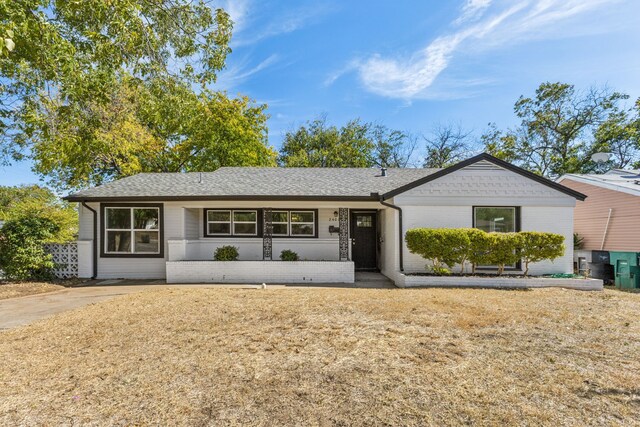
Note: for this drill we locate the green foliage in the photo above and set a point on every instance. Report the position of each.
(35, 201)
(95, 90)
(479, 248)
(289, 255)
(504, 249)
(226, 253)
(440, 270)
(561, 128)
(356, 144)
(536, 246)
(450, 246)
(22, 255)
(155, 126)
(441, 246)
(578, 241)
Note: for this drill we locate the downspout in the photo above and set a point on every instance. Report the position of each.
(95, 239)
(606, 228)
(389, 205)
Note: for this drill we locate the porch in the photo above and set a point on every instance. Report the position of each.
(327, 255)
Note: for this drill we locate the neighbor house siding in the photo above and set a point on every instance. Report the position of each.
(590, 218)
(448, 203)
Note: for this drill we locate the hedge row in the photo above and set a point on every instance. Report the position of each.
(451, 246)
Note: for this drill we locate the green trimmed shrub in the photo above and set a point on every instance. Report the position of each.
(479, 248)
(441, 246)
(226, 253)
(504, 249)
(22, 254)
(289, 255)
(537, 246)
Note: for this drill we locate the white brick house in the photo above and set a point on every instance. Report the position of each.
(337, 220)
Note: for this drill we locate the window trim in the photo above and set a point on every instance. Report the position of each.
(230, 222)
(287, 223)
(131, 206)
(260, 216)
(518, 266)
(257, 222)
(313, 224)
(516, 212)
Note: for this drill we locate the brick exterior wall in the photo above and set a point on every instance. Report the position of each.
(260, 272)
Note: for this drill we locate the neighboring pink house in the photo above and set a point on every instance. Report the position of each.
(609, 218)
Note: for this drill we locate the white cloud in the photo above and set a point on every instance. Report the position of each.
(472, 10)
(409, 78)
(241, 72)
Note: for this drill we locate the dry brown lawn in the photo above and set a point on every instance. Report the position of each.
(329, 357)
(20, 289)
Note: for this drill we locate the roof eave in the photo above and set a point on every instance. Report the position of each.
(79, 198)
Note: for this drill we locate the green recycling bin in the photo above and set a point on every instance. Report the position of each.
(626, 268)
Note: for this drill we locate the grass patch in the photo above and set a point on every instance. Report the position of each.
(12, 290)
(329, 357)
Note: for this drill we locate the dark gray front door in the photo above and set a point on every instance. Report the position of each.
(363, 235)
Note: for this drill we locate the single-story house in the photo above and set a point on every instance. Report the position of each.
(168, 225)
(609, 219)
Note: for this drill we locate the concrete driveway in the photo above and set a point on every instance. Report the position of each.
(23, 310)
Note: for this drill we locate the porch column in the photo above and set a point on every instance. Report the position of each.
(267, 234)
(343, 221)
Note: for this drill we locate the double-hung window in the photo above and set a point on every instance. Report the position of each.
(248, 222)
(131, 231)
(230, 222)
(302, 223)
(280, 221)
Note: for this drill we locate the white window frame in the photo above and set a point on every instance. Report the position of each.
(131, 230)
(312, 223)
(234, 222)
(280, 222)
(230, 222)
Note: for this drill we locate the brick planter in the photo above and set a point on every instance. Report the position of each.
(260, 272)
(407, 281)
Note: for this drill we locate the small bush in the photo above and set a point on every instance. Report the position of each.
(504, 249)
(537, 246)
(289, 255)
(226, 253)
(440, 271)
(22, 254)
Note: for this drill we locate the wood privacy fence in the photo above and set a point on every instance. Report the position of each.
(65, 256)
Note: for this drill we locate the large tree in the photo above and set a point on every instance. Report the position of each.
(152, 126)
(447, 145)
(355, 144)
(557, 132)
(33, 201)
(93, 90)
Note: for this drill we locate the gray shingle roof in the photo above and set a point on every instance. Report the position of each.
(247, 182)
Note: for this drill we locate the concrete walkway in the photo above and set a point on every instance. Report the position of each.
(24, 310)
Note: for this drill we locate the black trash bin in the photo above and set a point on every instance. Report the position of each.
(600, 270)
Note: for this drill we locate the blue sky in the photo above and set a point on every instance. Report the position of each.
(412, 65)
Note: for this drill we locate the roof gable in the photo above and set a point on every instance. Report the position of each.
(484, 160)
